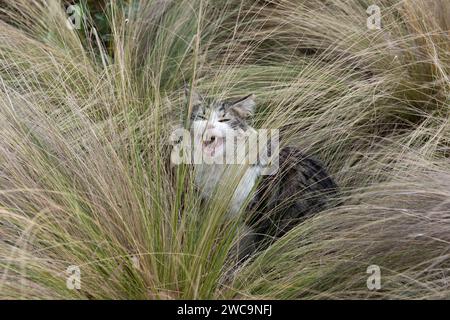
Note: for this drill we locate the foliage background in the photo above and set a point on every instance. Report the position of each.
(85, 120)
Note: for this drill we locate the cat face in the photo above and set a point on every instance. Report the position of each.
(212, 122)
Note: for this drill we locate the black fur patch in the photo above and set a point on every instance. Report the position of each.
(299, 189)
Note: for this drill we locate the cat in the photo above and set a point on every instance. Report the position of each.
(273, 204)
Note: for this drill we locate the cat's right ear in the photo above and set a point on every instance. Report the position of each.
(244, 107)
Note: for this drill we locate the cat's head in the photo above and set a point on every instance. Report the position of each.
(212, 121)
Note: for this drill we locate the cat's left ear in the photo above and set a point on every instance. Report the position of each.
(244, 107)
(196, 97)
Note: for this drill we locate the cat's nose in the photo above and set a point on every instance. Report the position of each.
(210, 126)
(210, 133)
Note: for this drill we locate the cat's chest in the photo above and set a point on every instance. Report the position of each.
(212, 179)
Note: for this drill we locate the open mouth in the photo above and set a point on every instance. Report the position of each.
(212, 145)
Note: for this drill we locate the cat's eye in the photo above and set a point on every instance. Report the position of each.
(199, 117)
(224, 120)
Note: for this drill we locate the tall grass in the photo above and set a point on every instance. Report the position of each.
(85, 175)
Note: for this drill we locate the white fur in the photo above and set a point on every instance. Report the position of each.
(211, 179)
(216, 177)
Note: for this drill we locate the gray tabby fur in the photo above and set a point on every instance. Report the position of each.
(273, 204)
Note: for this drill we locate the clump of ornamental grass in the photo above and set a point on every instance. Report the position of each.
(86, 181)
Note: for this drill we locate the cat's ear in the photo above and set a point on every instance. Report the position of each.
(192, 94)
(197, 101)
(245, 107)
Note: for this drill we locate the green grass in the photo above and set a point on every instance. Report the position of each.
(85, 175)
